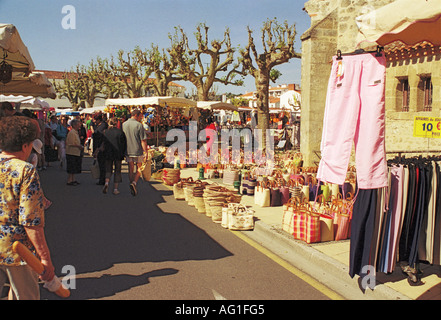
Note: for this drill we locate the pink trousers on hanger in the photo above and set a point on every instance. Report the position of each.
(354, 113)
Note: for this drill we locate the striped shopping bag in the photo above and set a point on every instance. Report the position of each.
(306, 225)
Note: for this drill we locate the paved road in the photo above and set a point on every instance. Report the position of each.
(153, 247)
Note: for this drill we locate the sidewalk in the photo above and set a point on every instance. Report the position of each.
(328, 262)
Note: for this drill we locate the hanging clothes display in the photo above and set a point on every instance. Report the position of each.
(354, 112)
(235, 117)
(405, 226)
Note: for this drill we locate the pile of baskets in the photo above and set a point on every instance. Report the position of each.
(215, 198)
(210, 199)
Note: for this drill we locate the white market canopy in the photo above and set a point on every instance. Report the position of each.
(291, 101)
(26, 102)
(17, 54)
(409, 21)
(93, 110)
(36, 85)
(216, 105)
(67, 112)
(24, 81)
(144, 101)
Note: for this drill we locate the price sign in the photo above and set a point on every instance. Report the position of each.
(427, 127)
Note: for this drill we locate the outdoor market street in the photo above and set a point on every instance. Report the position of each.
(153, 247)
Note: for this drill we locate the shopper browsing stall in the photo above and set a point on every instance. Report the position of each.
(136, 147)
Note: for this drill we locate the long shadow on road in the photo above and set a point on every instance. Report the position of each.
(92, 231)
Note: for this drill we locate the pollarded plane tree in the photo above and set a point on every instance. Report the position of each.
(201, 66)
(277, 40)
(164, 68)
(131, 71)
(70, 87)
(91, 81)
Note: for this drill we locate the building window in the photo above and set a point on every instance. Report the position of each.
(404, 94)
(428, 92)
(425, 93)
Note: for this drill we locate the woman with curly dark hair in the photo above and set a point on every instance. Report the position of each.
(22, 208)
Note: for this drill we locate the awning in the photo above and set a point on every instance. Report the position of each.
(409, 21)
(145, 101)
(93, 110)
(279, 110)
(27, 102)
(36, 85)
(13, 48)
(66, 112)
(216, 105)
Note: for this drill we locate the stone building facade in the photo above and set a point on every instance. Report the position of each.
(333, 28)
(413, 89)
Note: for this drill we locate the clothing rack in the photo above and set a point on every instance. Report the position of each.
(400, 225)
(378, 52)
(416, 180)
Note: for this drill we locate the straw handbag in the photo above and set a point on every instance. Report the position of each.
(240, 218)
(326, 221)
(146, 167)
(306, 224)
(157, 175)
(178, 188)
(95, 169)
(288, 215)
(230, 176)
(171, 176)
(262, 194)
(198, 198)
(146, 170)
(248, 184)
(302, 221)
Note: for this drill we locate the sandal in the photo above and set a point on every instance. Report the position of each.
(71, 183)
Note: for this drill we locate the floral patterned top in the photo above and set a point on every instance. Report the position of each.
(21, 205)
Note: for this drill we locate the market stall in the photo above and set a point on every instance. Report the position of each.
(216, 105)
(13, 52)
(17, 75)
(36, 85)
(160, 114)
(210, 111)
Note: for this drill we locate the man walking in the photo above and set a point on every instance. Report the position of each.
(136, 147)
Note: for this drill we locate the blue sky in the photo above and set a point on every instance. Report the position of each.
(105, 26)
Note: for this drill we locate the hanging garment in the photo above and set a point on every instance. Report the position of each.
(396, 208)
(362, 231)
(354, 112)
(425, 231)
(380, 211)
(235, 117)
(405, 238)
(437, 228)
(432, 216)
(418, 216)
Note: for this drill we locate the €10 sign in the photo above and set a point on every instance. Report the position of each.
(427, 127)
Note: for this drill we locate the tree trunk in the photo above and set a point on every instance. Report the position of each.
(75, 106)
(202, 93)
(262, 87)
